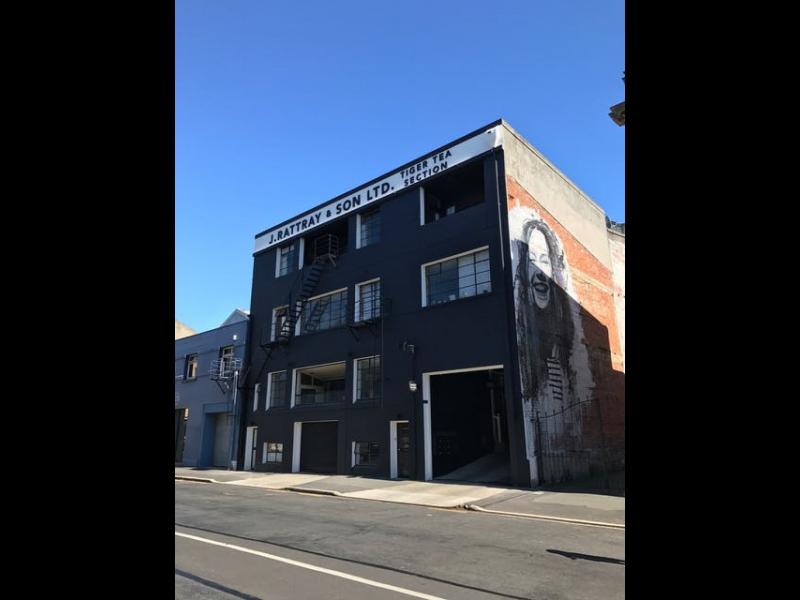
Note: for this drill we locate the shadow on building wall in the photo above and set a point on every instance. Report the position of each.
(573, 398)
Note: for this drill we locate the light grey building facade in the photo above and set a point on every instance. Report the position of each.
(208, 366)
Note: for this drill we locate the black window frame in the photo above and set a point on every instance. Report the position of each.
(372, 452)
(437, 289)
(191, 359)
(271, 451)
(373, 301)
(326, 320)
(369, 227)
(291, 260)
(374, 385)
(272, 388)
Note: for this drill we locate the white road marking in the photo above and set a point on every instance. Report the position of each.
(310, 567)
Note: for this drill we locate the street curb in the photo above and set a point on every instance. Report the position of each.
(200, 479)
(545, 517)
(322, 492)
(471, 507)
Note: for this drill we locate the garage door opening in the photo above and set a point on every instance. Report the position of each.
(469, 434)
(318, 447)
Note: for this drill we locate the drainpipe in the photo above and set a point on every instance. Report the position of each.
(234, 425)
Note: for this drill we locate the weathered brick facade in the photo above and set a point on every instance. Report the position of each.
(582, 422)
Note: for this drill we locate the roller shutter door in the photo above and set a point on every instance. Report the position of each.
(222, 440)
(318, 447)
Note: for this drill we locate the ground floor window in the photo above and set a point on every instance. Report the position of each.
(365, 453)
(273, 452)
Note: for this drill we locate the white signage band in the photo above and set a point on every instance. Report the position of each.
(430, 165)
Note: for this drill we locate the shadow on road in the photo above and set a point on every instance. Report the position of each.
(215, 585)
(577, 555)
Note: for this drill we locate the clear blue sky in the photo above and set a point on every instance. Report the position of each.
(280, 106)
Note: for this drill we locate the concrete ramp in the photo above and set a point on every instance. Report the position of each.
(492, 468)
(278, 481)
(444, 495)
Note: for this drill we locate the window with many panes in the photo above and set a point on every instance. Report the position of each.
(287, 259)
(368, 301)
(277, 389)
(368, 379)
(366, 453)
(191, 366)
(273, 453)
(459, 277)
(370, 228)
(324, 312)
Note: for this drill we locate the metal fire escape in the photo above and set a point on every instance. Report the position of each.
(325, 251)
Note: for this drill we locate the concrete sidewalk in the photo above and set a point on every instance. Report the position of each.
(580, 508)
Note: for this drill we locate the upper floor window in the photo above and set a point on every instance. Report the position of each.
(461, 276)
(368, 379)
(448, 194)
(226, 360)
(279, 316)
(324, 312)
(190, 371)
(287, 259)
(277, 389)
(368, 300)
(369, 228)
(320, 384)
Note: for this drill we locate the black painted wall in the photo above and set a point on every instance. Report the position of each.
(461, 334)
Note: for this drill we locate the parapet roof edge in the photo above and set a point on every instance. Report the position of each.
(215, 329)
(533, 149)
(381, 176)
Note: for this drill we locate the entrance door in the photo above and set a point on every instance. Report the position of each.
(250, 448)
(222, 440)
(403, 450)
(318, 447)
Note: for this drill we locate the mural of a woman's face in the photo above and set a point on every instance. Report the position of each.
(540, 268)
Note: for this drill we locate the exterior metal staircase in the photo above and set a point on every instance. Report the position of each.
(312, 322)
(296, 308)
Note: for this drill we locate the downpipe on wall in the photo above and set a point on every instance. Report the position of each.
(234, 425)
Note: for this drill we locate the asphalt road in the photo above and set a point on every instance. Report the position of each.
(238, 542)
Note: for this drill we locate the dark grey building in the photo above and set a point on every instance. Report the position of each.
(443, 320)
(207, 405)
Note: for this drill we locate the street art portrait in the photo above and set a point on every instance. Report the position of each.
(553, 361)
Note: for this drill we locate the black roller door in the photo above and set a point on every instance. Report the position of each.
(318, 447)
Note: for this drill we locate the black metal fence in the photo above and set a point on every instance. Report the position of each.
(581, 444)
